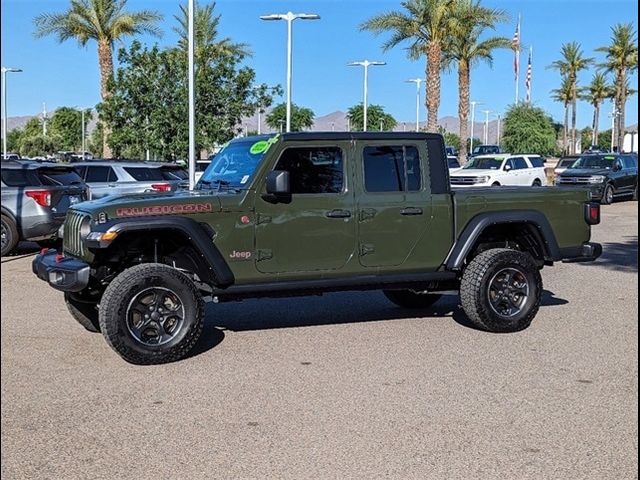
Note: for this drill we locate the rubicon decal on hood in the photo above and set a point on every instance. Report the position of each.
(164, 209)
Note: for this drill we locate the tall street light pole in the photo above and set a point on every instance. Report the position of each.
(473, 117)
(5, 70)
(290, 17)
(614, 115)
(499, 117)
(366, 64)
(192, 98)
(418, 82)
(486, 126)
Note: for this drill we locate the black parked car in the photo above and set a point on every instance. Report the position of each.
(35, 199)
(607, 176)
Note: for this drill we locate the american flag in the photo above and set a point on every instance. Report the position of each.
(527, 81)
(516, 47)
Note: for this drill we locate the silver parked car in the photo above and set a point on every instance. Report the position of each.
(121, 178)
(35, 199)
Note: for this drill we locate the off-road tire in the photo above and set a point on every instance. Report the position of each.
(84, 311)
(411, 299)
(115, 303)
(11, 231)
(474, 290)
(605, 197)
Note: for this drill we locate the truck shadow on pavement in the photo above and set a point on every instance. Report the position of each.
(619, 256)
(331, 309)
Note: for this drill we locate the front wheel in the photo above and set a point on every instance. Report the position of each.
(607, 196)
(9, 235)
(501, 290)
(151, 313)
(412, 298)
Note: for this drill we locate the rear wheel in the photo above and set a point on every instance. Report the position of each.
(495, 184)
(412, 298)
(84, 309)
(501, 290)
(151, 313)
(9, 235)
(537, 183)
(607, 196)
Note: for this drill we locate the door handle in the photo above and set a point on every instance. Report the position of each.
(338, 214)
(411, 211)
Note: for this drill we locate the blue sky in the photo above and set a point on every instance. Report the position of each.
(66, 74)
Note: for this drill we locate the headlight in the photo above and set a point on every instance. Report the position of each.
(482, 179)
(597, 179)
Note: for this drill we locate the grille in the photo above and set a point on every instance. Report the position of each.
(464, 180)
(574, 180)
(72, 242)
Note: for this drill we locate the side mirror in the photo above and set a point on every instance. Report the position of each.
(507, 168)
(278, 183)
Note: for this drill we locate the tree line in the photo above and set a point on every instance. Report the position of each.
(144, 105)
(620, 61)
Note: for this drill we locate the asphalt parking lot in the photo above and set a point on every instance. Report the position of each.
(340, 386)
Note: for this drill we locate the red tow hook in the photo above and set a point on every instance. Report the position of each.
(59, 258)
(43, 251)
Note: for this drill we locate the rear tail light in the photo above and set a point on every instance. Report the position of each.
(161, 187)
(592, 213)
(42, 197)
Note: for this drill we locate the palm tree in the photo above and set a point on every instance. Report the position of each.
(464, 49)
(621, 59)
(425, 25)
(573, 61)
(564, 94)
(595, 93)
(103, 21)
(206, 34)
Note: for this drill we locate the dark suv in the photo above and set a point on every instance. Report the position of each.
(607, 176)
(35, 199)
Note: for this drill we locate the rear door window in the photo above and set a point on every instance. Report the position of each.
(59, 176)
(20, 178)
(391, 169)
(520, 163)
(144, 174)
(96, 174)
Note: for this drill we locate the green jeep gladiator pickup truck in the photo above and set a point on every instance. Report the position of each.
(308, 213)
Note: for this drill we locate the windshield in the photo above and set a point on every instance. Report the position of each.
(566, 162)
(488, 163)
(482, 149)
(234, 165)
(594, 162)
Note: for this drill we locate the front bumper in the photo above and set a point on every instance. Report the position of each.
(595, 190)
(62, 273)
(587, 252)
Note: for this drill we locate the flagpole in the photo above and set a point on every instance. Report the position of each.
(518, 59)
(530, 66)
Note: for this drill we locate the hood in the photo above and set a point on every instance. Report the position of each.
(585, 172)
(473, 172)
(148, 204)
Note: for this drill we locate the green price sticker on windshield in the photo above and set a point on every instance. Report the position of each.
(259, 147)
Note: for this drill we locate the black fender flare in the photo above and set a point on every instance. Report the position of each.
(475, 227)
(199, 234)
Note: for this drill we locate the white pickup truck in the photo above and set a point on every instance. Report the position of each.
(503, 169)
